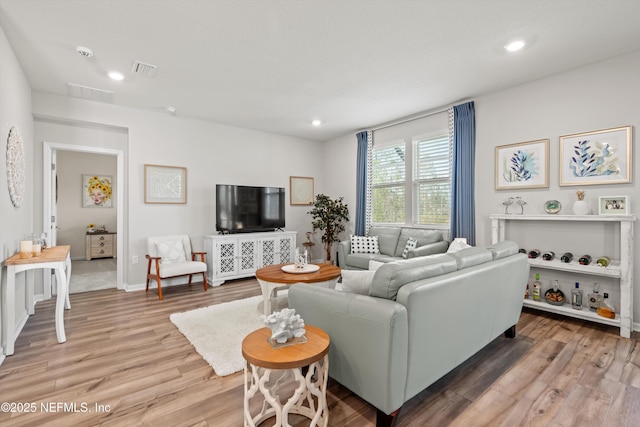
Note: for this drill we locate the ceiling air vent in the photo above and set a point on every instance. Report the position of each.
(85, 92)
(144, 69)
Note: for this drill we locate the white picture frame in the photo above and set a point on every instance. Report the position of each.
(301, 190)
(613, 205)
(165, 184)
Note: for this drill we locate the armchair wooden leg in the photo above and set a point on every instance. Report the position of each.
(204, 280)
(190, 276)
(159, 287)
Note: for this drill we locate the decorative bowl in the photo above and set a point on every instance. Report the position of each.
(552, 206)
(555, 297)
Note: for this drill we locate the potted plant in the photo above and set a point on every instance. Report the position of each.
(328, 216)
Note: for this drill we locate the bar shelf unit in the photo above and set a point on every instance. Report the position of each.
(620, 270)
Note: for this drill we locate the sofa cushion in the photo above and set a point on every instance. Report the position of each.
(362, 260)
(423, 236)
(503, 249)
(392, 276)
(387, 239)
(364, 245)
(356, 281)
(469, 257)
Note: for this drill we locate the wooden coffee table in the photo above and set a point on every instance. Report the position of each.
(272, 279)
(267, 369)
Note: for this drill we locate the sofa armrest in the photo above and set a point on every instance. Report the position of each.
(429, 249)
(344, 249)
(369, 341)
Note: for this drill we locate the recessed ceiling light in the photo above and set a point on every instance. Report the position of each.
(316, 122)
(114, 75)
(515, 46)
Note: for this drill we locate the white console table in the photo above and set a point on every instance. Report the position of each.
(233, 256)
(56, 258)
(620, 270)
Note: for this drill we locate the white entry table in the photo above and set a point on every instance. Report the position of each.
(56, 258)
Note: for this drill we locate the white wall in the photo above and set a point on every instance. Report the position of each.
(73, 217)
(212, 153)
(15, 110)
(599, 96)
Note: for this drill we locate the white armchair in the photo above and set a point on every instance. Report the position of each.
(171, 256)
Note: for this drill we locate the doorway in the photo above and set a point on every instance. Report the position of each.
(103, 267)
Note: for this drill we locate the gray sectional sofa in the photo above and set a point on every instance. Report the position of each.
(422, 318)
(392, 241)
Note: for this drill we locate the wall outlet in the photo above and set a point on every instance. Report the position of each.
(134, 259)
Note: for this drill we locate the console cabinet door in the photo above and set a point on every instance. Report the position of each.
(247, 256)
(276, 250)
(226, 258)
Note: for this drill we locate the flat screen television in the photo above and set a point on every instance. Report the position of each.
(245, 209)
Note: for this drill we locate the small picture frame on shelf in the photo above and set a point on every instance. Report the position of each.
(613, 205)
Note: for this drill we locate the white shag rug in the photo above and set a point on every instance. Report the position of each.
(217, 331)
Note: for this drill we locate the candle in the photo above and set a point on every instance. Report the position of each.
(37, 248)
(26, 249)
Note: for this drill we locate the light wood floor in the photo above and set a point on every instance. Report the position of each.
(123, 354)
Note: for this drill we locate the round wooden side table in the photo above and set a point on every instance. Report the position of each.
(268, 368)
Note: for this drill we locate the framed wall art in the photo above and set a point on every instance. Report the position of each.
(522, 165)
(301, 190)
(597, 157)
(97, 191)
(613, 205)
(165, 184)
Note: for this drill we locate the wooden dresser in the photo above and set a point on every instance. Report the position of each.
(100, 245)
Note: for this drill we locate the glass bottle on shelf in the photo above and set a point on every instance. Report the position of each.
(548, 256)
(595, 298)
(603, 261)
(606, 309)
(576, 297)
(537, 288)
(535, 253)
(566, 257)
(526, 292)
(585, 260)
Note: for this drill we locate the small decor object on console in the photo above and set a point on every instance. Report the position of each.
(613, 205)
(508, 203)
(581, 206)
(552, 206)
(520, 202)
(285, 325)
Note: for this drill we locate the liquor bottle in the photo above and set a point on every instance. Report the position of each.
(606, 309)
(537, 288)
(548, 256)
(576, 297)
(566, 257)
(535, 253)
(526, 292)
(585, 260)
(595, 299)
(603, 261)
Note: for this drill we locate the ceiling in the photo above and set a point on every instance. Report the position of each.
(275, 65)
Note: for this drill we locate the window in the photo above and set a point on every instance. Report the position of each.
(422, 199)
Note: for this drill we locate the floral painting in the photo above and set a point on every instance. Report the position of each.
(522, 165)
(97, 191)
(598, 157)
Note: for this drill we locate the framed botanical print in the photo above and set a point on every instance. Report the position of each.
(522, 165)
(165, 184)
(597, 157)
(301, 190)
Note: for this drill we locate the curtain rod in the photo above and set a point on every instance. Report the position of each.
(406, 120)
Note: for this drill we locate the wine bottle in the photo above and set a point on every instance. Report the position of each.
(603, 261)
(566, 257)
(576, 297)
(535, 253)
(606, 309)
(548, 256)
(585, 260)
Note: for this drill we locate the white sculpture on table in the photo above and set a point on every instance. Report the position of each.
(284, 324)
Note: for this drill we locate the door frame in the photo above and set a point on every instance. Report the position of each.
(47, 155)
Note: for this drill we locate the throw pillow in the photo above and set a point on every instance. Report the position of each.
(457, 245)
(374, 265)
(364, 245)
(411, 244)
(171, 251)
(356, 281)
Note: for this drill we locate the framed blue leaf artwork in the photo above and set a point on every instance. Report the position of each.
(522, 165)
(597, 157)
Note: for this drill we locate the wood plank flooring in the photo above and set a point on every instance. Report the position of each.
(125, 364)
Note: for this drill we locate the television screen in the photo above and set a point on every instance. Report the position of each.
(245, 209)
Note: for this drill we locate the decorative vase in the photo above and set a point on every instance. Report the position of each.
(581, 207)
